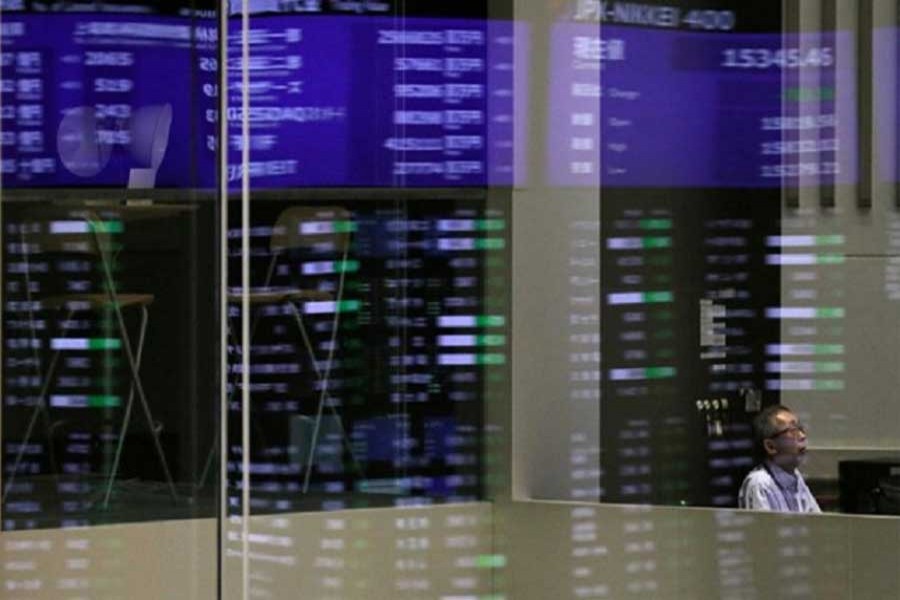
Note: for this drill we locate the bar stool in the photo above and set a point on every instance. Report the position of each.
(83, 231)
(299, 228)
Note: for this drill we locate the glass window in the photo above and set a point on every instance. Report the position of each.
(110, 316)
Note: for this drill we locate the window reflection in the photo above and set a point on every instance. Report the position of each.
(341, 100)
(375, 330)
(108, 385)
(685, 191)
(85, 104)
(94, 315)
(732, 232)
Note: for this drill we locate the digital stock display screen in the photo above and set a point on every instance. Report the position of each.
(356, 101)
(376, 382)
(83, 97)
(347, 101)
(334, 101)
(687, 292)
(691, 123)
(754, 109)
(379, 332)
(374, 395)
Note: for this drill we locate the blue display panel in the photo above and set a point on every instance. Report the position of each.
(885, 76)
(335, 101)
(85, 100)
(356, 101)
(666, 108)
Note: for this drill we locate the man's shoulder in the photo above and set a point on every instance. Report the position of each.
(758, 476)
(756, 489)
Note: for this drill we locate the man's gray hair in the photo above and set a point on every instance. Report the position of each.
(764, 427)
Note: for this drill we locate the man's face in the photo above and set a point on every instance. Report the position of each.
(787, 447)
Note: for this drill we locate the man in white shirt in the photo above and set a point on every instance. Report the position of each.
(776, 484)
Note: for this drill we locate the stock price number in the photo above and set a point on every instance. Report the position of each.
(108, 59)
(113, 86)
(782, 58)
(113, 111)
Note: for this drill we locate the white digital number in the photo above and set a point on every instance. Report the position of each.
(108, 59)
(112, 86)
(710, 20)
(782, 58)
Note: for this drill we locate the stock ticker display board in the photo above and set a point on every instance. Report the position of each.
(84, 96)
(349, 101)
(685, 326)
(699, 99)
(371, 391)
(335, 100)
(379, 331)
(104, 395)
(703, 118)
(374, 377)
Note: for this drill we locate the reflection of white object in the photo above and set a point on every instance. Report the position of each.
(78, 145)
(235, 7)
(150, 134)
(141, 179)
(302, 435)
(150, 127)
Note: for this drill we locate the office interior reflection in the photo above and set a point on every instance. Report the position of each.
(460, 300)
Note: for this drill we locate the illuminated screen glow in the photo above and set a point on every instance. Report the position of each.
(335, 101)
(755, 110)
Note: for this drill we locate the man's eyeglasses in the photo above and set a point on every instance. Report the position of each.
(792, 430)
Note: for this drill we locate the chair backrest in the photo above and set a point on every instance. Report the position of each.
(310, 226)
